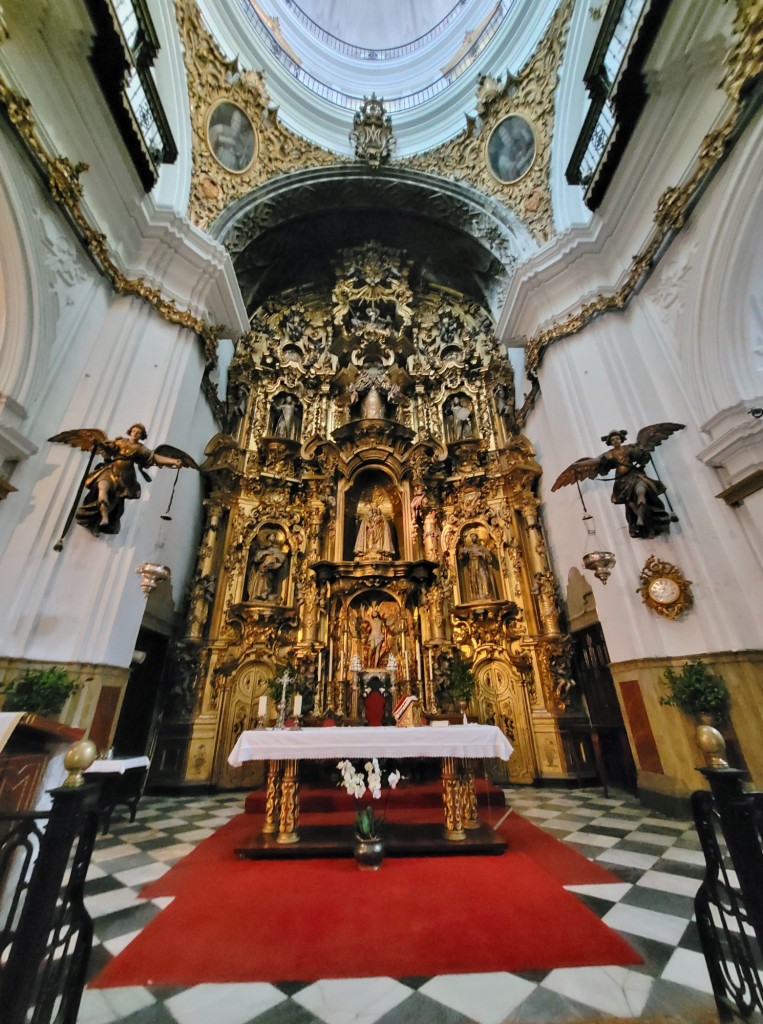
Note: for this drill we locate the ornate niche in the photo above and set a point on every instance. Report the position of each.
(479, 576)
(285, 419)
(268, 567)
(373, 520)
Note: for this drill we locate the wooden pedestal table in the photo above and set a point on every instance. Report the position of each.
(457, 746)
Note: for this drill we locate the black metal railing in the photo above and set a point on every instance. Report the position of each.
(126, 47)
(350, 101)
(45, 931)
(615, 85)
(729, 902)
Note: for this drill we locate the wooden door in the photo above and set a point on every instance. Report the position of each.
(501, 701)
(591, 670)
(239, 715)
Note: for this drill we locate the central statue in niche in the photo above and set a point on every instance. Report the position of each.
(374, 534)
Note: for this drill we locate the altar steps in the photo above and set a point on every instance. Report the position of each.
(324, 800)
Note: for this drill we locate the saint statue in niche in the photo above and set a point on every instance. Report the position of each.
(267, 560)
(374, 534)
(458, 419)
(286, 418)
(477, 561)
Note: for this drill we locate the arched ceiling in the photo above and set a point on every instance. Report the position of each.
(287, 234)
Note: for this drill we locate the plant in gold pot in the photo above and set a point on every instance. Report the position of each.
(703, 696)
(459, 684)
(41, 691)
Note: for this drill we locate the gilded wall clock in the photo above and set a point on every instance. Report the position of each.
(664, 588)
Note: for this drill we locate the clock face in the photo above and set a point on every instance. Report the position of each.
(664, 590)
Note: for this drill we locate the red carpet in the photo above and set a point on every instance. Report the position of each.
(236, 921)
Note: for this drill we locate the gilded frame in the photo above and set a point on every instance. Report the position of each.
(523, 166)
(242, 143)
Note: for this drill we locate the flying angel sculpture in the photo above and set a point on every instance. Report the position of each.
(114, 480)
(644, 510)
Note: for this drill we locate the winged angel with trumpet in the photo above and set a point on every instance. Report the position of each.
(644, 510)
(114, 480)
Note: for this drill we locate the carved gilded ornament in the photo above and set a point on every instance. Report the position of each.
(664, 588)
(529, 96)
(212, 81)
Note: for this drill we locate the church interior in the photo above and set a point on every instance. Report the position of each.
(388, 350)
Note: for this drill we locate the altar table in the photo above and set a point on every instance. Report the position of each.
(456, 745)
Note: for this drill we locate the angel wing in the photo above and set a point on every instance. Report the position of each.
(582, 469)
(170, 452)
(86, 438)
(650, 437)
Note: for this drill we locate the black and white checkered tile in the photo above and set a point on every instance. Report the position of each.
(657, 859)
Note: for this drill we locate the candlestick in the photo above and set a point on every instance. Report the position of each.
(282, 705)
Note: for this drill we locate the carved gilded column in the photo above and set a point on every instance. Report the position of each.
(273, 798)
(203, 586)
(288, 831)
(452, 801)
(469, 809)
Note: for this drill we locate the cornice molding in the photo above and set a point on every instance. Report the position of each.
(62, 179)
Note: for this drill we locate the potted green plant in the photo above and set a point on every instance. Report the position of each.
(459, 683)
(697, 691)
(41, 691)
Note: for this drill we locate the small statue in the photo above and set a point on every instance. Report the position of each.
(114, 480)
(374, 534)
(478, 572)
(263, 580)
(644, 510)
(287, 418)
(459, 419)
(374, 389)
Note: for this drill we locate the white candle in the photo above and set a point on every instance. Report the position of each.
(418, 660)
(297, 705)
(431, 670)
(331, 659)
(407, 671)
(262, 707)
(320, 654)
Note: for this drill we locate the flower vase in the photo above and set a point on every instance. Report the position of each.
(368, 853)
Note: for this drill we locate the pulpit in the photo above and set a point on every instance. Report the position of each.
(31, 758)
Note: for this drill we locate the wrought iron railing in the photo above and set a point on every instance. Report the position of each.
(729, 902)
(123, 57)
(363, 53)
(617, 95)
(350, 101)
(45, 931)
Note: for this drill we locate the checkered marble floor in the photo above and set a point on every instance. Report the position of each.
(657, 860)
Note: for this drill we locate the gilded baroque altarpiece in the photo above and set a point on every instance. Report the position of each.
(374, 513)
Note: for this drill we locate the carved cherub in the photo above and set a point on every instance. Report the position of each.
(644, 510)
(114, 480)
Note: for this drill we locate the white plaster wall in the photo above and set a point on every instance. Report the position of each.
(73, 354)
(686, 350)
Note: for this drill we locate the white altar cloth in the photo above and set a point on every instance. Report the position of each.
(321, 744)
(117, 765)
